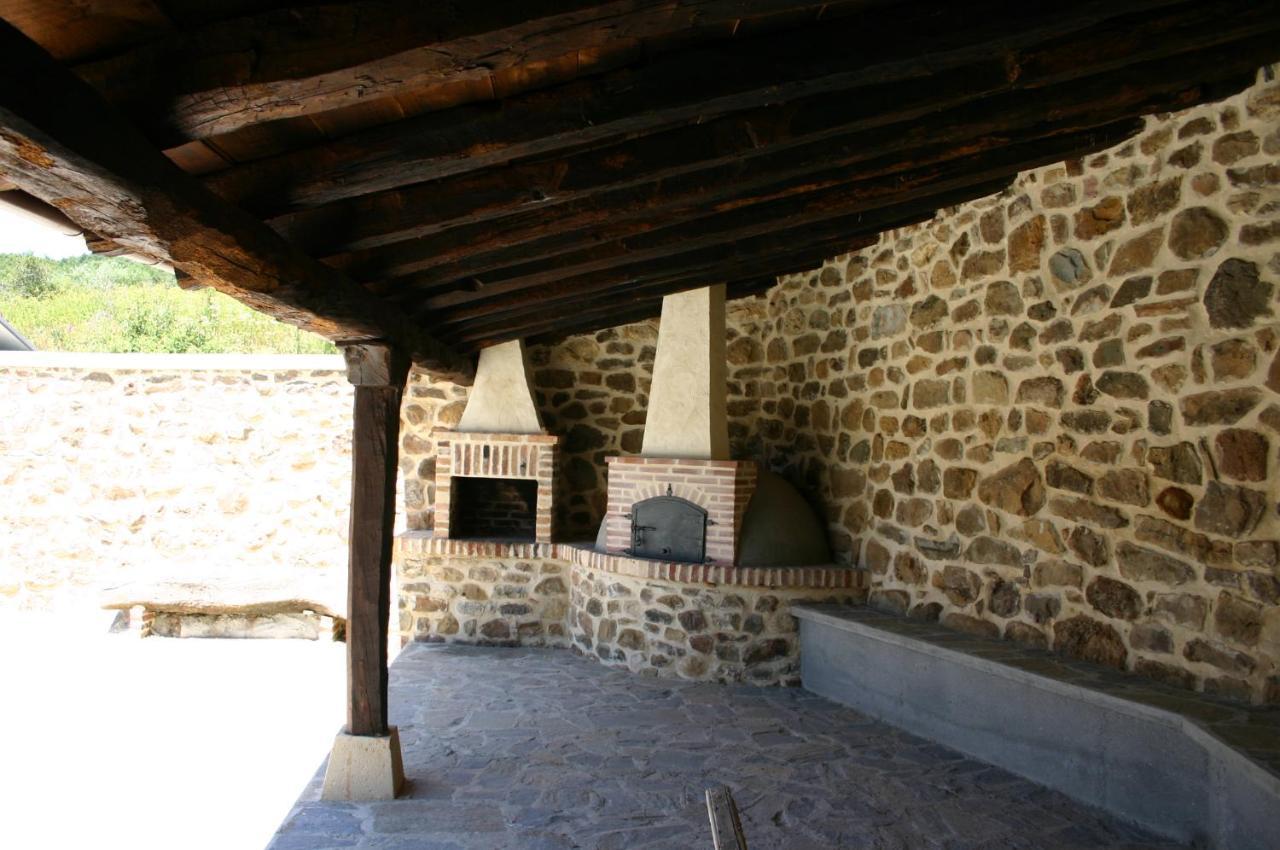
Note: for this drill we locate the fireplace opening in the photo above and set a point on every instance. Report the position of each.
(493, 508)
(670, 529)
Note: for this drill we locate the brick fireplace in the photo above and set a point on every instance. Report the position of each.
(484, 483)
(496, 474)
(691, 573)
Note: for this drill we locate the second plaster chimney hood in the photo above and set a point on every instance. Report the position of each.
(687, 400)
(683, 499)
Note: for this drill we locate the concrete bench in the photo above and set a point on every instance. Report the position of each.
(1186, 766)
(229, 608)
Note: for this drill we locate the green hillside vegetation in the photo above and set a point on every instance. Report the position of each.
(108, 304)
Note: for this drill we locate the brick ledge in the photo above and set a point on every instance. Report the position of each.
(583, 555)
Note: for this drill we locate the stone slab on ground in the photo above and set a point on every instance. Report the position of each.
(539, 749)
(1093, 733)
(228, 606)
(305, 625)
(238, 595)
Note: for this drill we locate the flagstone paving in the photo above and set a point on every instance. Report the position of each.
(544, 750)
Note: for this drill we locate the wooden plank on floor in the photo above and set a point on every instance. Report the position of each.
(726, 826)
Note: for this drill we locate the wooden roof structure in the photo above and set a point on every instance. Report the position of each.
(448, 175)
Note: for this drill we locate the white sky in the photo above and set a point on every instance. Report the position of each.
(20, 234)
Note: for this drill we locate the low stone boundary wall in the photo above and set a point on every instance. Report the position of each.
(711, 623)
(119, 467)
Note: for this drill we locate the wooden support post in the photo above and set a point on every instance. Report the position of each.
(378, 373)
(365, 763)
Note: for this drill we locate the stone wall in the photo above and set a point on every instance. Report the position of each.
(694, 621)
(119, 467)
(593, 390)
(708, 631)
(1052, 414)
(482, 593)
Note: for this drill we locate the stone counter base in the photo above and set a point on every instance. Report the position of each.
(721, 624)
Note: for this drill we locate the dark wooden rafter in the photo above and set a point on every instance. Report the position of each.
(76, 31)
(622, 311)
(668, 91)
(632, 148)
(750, 271)
(475, 250)
(388, 217)
(60, 142)
(846, 208)
(769, 255)
(637, 307)
(471, 250)
(536, 186)
(949, 137)
(305, 60)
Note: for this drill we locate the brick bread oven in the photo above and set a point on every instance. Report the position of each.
(686, 449)
(722, 488)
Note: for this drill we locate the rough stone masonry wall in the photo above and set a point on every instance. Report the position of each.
(119, 467)
(684, 620)
(1053, 414)
(695, 631)
(486, 594)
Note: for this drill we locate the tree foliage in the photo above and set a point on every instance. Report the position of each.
(32, 280)
(106, 304)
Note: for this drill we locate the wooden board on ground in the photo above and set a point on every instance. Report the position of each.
(726, 826)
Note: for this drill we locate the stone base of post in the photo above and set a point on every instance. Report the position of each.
(364, 768)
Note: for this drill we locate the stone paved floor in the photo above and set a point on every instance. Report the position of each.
(543, 750)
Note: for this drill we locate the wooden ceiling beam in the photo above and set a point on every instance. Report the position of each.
(610, 311)
(472, 251)
(771, 254)
(60, 142)
(534, 187)
(76, 31)
(641, 311)
(307, 59)
(609, 314)
(670, 90)
(844, 208)
(948, 138)
(620, 307)
(542, 185)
